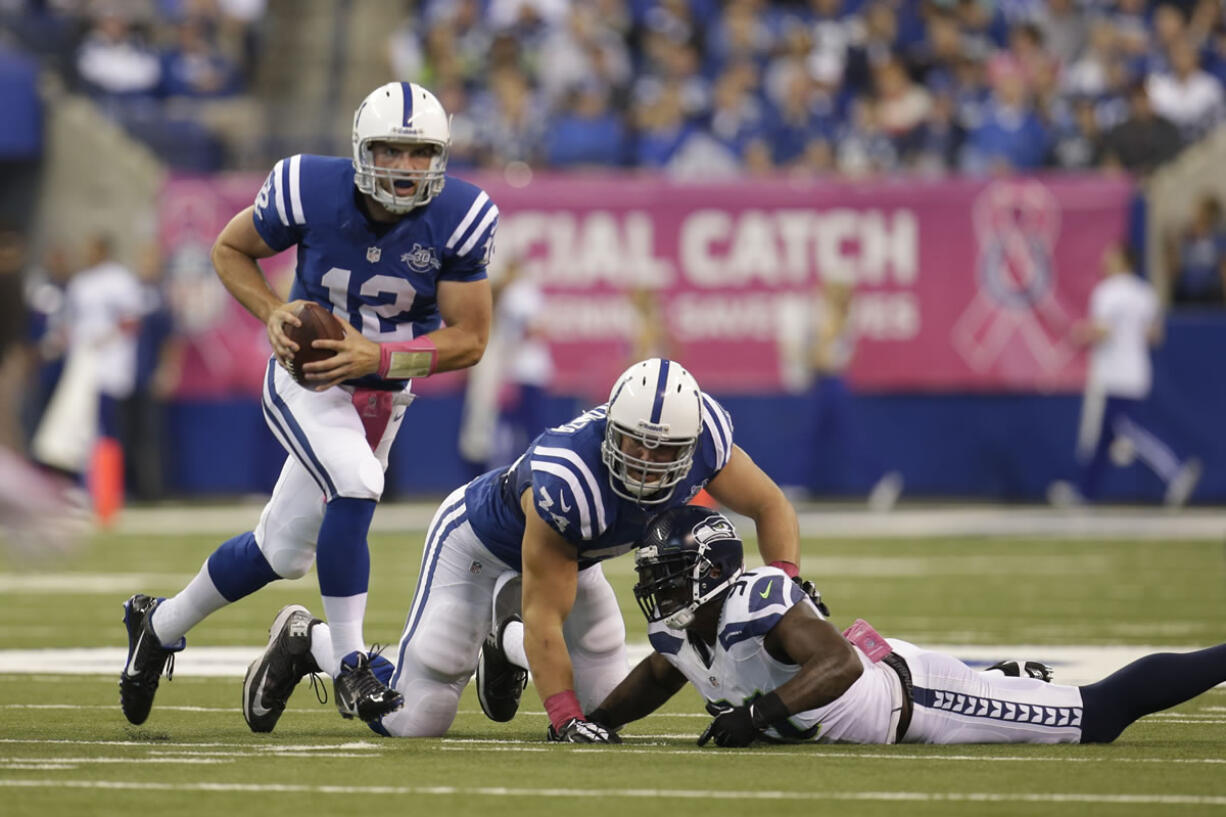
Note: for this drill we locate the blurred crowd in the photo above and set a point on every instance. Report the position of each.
(700, 87)
(709, 87)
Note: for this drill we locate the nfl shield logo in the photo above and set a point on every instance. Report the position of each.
(373, 254)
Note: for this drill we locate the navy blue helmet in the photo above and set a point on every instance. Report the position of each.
(688, 556)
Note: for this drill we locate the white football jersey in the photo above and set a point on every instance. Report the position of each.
(740, 669)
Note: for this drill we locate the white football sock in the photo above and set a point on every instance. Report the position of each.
(178, 614)
(344, 615)
(513, 644)
(321, 649)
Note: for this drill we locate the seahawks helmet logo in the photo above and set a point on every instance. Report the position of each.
(713, 529)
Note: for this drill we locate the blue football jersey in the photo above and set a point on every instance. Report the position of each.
(381, 278)
(571, 491)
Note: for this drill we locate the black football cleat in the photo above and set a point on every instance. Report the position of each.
(287, 659)
(499, 682)
(147, 659)
(361, 695)
(1019, 668)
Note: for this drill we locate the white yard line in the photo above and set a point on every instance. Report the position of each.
(585, 795)
(1074, 664)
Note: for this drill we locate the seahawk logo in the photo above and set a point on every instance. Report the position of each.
(421, 259)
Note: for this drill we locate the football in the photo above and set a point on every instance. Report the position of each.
(317, 324)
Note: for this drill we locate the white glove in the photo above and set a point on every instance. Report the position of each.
(581, 731)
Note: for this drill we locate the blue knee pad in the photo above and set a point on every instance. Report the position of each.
(238, 568)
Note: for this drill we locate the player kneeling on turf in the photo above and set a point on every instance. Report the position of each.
(772, 668)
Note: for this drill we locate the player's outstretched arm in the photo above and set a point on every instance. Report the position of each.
(648, 686)
(746, 489)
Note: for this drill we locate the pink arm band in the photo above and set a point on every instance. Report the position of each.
(408, 358)
(561, 707)
(787, 567)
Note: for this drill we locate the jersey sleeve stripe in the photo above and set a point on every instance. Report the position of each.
(278, 184)
(468, 219)
(588, 477)
(295, 189)
(714, 419)
(482, 228)
(568, 476)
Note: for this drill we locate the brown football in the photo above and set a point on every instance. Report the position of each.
(317, 324)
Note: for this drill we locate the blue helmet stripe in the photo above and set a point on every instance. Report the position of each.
(658, 405)
(407, 87)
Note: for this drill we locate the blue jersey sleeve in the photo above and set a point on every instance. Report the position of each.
(279, 214)
(565, 490)
(470, 243)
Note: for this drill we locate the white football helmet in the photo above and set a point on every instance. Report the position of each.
(655, 409)
(402, 112)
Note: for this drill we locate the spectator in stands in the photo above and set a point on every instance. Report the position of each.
(1125, 319)
(1064, 29)
(1144, 140)
(587, 132)
(1011, 135)
(195, 67)
(1186, 95)
(805, 113)
(1196, 257)
(661, 127)
(585, 49)
(902, 106)
(737, 114)
(511, 123)
(1078, 140)
(115, 60)
(1087, 75)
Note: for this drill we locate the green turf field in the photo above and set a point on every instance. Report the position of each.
(65, 749)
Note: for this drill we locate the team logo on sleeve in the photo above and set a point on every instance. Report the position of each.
(421, 259)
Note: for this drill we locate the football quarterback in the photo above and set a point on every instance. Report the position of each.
(396, 250)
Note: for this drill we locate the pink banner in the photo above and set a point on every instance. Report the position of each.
(960, 285)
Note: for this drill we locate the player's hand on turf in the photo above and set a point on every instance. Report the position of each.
(282, 346)
(731, 727)
(577, 730)
(356, 356)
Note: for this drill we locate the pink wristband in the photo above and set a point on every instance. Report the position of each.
(563, 706)
(408, 358)
(787, 567)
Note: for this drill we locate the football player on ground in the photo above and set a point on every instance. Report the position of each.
(771, 667)
(580, 494)
(394, 248)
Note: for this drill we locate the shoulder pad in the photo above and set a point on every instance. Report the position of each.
(717, 428)
(756, 603)
(565, 493)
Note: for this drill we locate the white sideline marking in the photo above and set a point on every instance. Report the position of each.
(681, 794)
(106, 760)
(354, 746)
(1074, 664)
